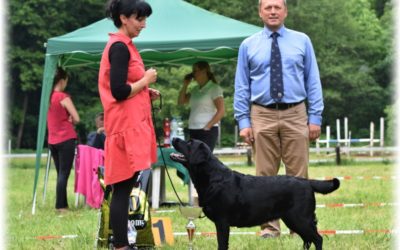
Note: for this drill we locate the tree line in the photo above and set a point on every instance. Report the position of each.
(353, 42)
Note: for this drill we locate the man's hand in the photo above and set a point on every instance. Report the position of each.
(100, 130)
(247, 135)
(314, 131)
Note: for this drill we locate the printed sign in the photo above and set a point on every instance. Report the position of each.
(162, 231)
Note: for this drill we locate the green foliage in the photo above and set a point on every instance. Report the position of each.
(379, 6)
(31, 23)
(353, 48)
(353, 41)
(353, 56)
(390, 135)
(245, 10)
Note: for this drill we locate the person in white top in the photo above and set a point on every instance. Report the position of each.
(206, 103)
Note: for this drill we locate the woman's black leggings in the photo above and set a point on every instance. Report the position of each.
(63, 155)
(119, 210)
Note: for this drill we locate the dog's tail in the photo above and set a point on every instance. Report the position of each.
(325, 187)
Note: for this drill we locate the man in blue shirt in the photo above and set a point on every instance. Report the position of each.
(278, 126)
(97, 138)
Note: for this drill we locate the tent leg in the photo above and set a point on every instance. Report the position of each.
(34, 203)
(46, 176)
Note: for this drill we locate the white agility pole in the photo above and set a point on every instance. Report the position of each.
(338, 131)
(346, 132)
(371, 143)
(382, 133)
(317, 146)
(328, 136)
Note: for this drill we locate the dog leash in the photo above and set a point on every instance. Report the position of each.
(162, 155)
(161, 149)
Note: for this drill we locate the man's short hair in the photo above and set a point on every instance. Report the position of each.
(284, 2)
(101, 114)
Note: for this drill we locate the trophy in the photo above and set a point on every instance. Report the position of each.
(190, 213)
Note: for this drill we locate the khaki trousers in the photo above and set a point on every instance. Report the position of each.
(280, 135)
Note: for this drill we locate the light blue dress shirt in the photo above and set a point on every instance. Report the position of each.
(300, 74)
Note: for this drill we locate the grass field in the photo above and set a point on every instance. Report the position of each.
(23, 229)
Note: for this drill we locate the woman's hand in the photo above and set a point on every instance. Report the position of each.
(154, 94)
(151, 76)
(187, 79)
(70, 107)
(184, 97)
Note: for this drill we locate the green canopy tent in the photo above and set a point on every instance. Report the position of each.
(177, 33)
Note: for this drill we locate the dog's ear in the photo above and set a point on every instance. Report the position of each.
(200, 152)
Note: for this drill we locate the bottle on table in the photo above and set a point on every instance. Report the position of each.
(167, 133)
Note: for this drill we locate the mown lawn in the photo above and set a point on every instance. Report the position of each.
(23, 228)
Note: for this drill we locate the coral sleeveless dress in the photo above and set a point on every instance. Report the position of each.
(130, 145)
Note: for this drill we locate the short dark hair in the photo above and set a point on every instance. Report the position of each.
(114, 8)
(60, 74)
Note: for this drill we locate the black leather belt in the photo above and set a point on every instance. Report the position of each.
(279, 106)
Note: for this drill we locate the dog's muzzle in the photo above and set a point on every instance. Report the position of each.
(177, 157)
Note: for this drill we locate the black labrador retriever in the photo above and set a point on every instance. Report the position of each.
(230, 198)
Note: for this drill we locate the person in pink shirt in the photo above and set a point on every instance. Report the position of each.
(124, 91)
(61, 118)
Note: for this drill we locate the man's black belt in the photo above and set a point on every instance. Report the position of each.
(278, 106)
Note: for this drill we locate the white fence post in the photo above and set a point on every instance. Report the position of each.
(371, 137)
(328, 136)
(347, 140)
(349, 143)
(346, 132)
(382, 133)
(338, 131)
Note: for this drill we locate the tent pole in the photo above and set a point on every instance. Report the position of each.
(46, 176)
(48, 75)
(34, 203)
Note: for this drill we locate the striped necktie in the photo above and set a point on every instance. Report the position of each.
(276, 83)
